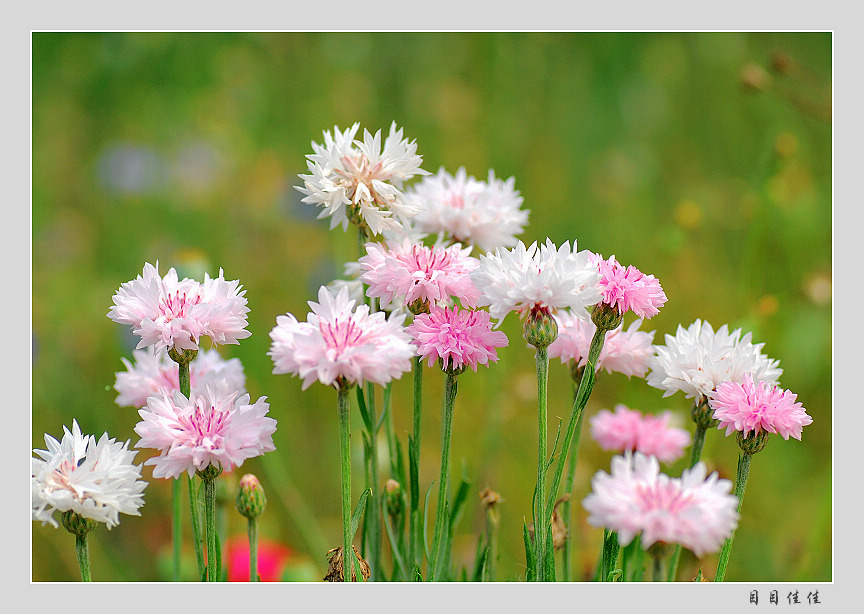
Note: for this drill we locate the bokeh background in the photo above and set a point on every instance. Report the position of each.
(702, 158)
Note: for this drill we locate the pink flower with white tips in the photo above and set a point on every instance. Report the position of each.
(340, 344)
(624, 351)
(459, 338)
(628, 289)
(629, 429)
(409, 273)
(693, 511)
(167, 313)
(151, 373)
(359, 181)
(218, 427)
(758, 407)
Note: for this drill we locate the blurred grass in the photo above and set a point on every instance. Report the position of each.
(185, 147)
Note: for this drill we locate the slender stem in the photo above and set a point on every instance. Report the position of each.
(210, 527)
(253, 549)
(414, 537)
(740, 484)
(657, 563)
(176, 488)
(586, 385)
(695, 454)
(542, 520)
(83, 553)
(566, 506)
(608, 555)
(197, 536)
(373, 520)
(343, 406)
(446, 429)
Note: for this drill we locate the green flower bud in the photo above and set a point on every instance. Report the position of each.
(393, 497)
(77, 524)
(753, 442)
(606, 317)
(250, 499)
(540, 328)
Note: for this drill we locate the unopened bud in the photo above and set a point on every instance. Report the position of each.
(752, 443)
(250, 499)
(540, 328)
(393, 497)
(606, 316)
(77, 524)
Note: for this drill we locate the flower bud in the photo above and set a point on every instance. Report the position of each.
(250, 499)
(77, 524)
(540, 328)
(752, 443)
(606, 316)
(393, 497)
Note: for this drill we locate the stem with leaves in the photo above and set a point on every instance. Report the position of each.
(435, 567)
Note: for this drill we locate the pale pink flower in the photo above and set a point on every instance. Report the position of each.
(693, 511)
(167, 313)
(339, 343)
(347, 173)
(94, 479)
(408, 272)
(628, 289)
(218, 427)
(697, 360)
(456, 337)
(486, 214)
(544, 277)
(629, 429)
(624, 351)
(151, 373)
(757, 407)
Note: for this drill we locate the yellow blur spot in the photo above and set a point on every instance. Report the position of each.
(688, 214)
(786, 145)
(768, 305)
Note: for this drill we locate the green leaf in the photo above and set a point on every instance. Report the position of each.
(358, 512)
(418, 577)
(529, 553)
(550, 558)
(364, 413)
(414, 469)
(425, 521)
(385, 407)
(458, 502)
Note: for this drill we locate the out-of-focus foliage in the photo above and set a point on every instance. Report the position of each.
(704, 159)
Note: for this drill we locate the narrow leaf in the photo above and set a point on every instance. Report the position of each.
(358, 512)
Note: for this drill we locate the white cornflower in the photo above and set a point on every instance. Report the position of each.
(697, 360)
(544, 277)
(486, 214)
(359, 181)
(96, 480)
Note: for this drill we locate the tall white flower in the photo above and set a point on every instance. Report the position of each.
(697, 360)
(544, 277)
(486, 214)
(96, 480)
(151, 373)
(360, 181)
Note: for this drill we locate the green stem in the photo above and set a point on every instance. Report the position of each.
(566, 506)
(210, 528)
(176, 526)
(343, 406)
(197, 536)
(253, 549)
(695, 454)
(414, 536)
(608, 555)
(740, 484)
(586, 385)
(542, 520)
(373, 520)
(450, 388)
(657, 574)
(83, 553)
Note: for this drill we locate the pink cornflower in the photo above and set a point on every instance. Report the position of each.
(217, 427)
(339, 344)
(153, 372)
(457, 337)
(758, 407)
(693, 511)
(629, 289)
(624, 351)
(628, 429)
(408, 273)
(167, 313)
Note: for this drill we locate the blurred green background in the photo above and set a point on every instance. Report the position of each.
(702, 158)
